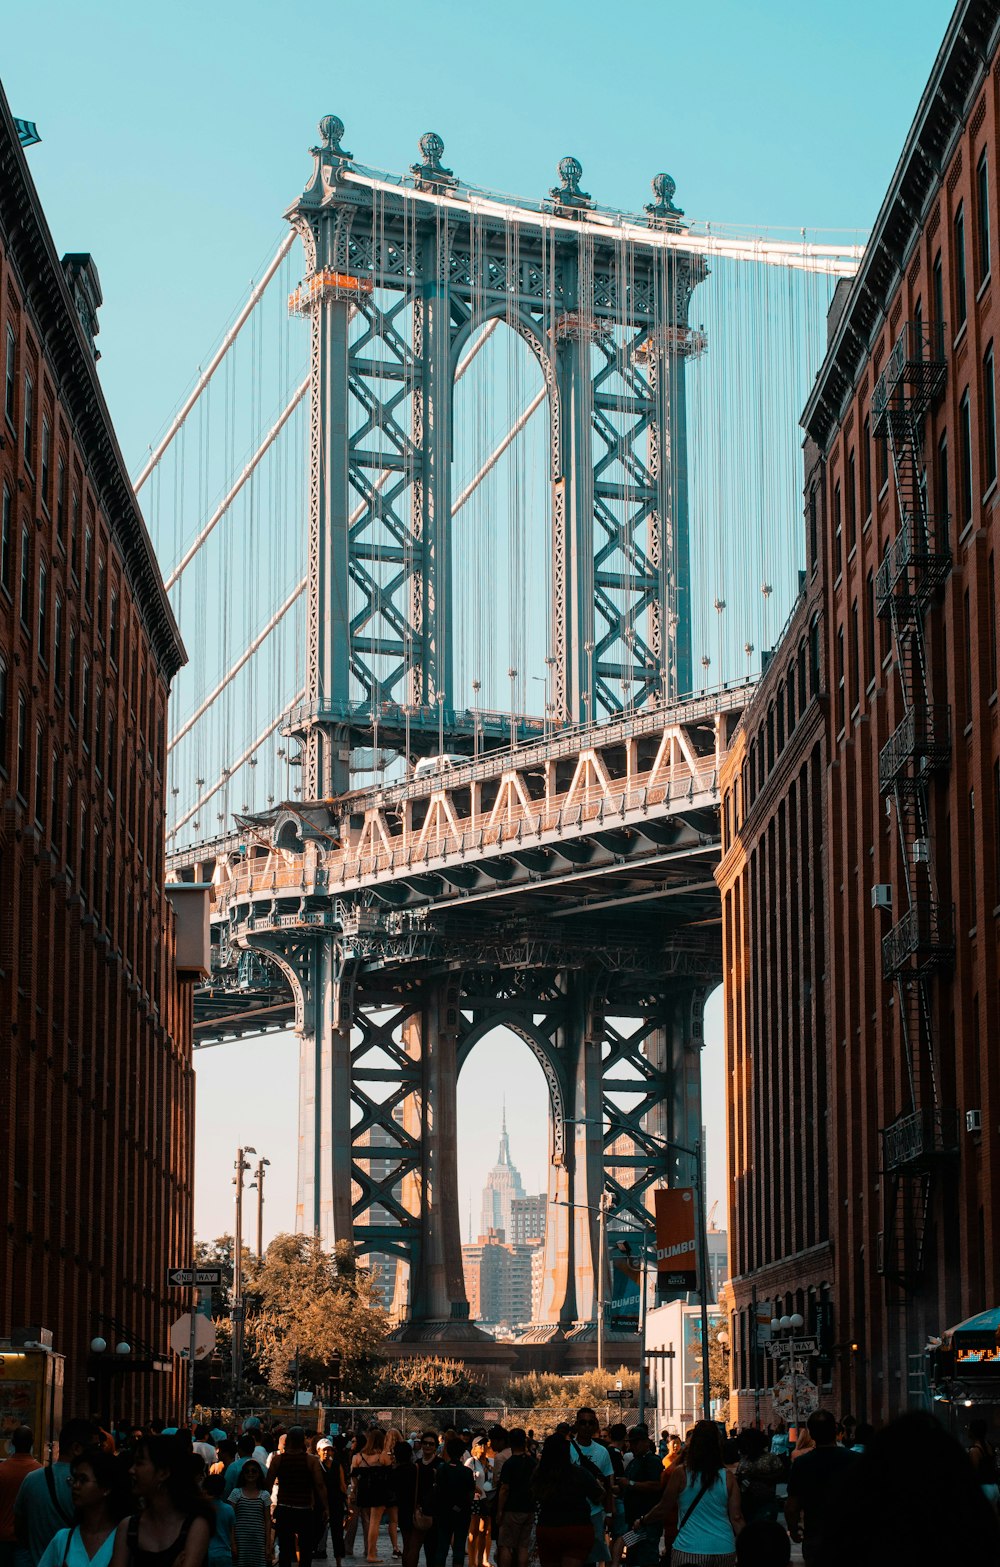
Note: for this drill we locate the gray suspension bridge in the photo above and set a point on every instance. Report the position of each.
(552, 876)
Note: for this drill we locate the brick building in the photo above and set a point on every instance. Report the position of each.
(96, 1117)
(498, 1280)
(862, 1001)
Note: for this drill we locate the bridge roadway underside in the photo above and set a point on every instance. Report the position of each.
(581, 915)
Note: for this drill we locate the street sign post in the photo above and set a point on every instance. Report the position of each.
(201, 1278)
(192, 1335)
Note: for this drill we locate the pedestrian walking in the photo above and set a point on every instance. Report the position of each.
(392, 1438)
(174, 1521)
(476, 1460)
(44, 1501)
(404, 1494)
(707, 1497)
(515, 1514)
(298, 1493)
(813, 1478)
(763, 1543)
(425, 1520)
(593, 1455)
(331, 1458)
(100, 1502)
(983, 1457)
(12, 1471)
(251, 1506)
(372, 1489)
(454, 1493)
(566, 1493)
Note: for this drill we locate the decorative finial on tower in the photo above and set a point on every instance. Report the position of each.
(569, 194)
(662, 212)
(331, 128)
(431, 173)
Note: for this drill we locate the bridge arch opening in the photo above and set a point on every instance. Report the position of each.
(505, 1111)
(501, 534)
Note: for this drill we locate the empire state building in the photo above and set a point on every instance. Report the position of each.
(503, 1185)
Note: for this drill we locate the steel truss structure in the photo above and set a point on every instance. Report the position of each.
(397, 283)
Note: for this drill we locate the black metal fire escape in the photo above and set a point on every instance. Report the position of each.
(921, 941)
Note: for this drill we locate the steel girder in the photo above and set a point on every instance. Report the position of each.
(395, 287)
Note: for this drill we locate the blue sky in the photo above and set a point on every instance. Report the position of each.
(175, 136)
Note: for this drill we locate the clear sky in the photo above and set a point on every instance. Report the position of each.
(175, 136)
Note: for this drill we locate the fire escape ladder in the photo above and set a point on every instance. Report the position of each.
(915, 565)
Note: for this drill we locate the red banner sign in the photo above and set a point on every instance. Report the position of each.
(676, 1243)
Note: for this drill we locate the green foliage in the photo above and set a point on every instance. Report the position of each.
(300, 1297)
(546, 1390)
(427, 1382)
(718, 1366)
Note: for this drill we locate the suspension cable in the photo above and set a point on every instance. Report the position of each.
(217, 358)
(227, 772)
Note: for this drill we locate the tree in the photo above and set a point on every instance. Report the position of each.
(718, 1366)
(546, 1390)
(299, 1297)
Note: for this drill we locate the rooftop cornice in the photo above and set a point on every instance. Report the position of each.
(959, 70)
(33, 254)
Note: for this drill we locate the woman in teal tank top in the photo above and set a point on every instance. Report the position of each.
(707, 1499)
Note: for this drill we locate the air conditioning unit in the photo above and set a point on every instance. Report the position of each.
(882, 896)
(973, 1120)
(921, 851)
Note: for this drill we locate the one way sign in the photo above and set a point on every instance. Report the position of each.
(180, 1278)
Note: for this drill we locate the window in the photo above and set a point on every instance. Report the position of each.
(10, 376)
(71, 675)
(22, 746)
(102, 586)
(55, 797)
(113, 629)
(881, 463)
(70, 819)
(838, 547)
(61, 500)
(840, 680)
(996, 831)
(983, 218)
(6, 552)
(29, 419)
(855, 659)
(39, 774)
(967, 617)
(852, 502)
(965, 461)
(991, 605)
(813, 535)
(937, 296)
(57, 640)
(814, 657)
(74, 535)
(870, 629)
(110, 770)
(989, 420)
(25, 574)
(4, 715)
(84, 846)
(43, 612)
(46, 461)
(961, 310)
(866, 469)
(98, 726)
(942, 504)
(88, 567)
(85, 706)
(973, 880)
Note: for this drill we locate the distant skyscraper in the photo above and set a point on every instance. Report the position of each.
(503, 1185)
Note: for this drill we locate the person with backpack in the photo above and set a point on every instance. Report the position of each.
(44, 1502)
(585, 1450)
(707, 1498)
(100, 1501)
(515, 1519)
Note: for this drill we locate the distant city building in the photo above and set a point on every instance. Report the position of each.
(498, 1280)
(503, 1185)
(527, 1220)
(379, 1170)
(718, 1258)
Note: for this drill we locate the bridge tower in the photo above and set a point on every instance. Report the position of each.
(400, 276)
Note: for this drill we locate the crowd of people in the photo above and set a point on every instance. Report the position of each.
(207, 1497)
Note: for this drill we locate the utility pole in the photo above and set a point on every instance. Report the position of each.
(602, 1270)
(241, 1168)
(257, 1185)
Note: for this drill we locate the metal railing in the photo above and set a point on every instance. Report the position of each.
(923, 939)
(913, 376)
(919, 1138)
(921, 547)
(923, 738)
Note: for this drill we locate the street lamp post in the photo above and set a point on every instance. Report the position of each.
(786, 1326)
(241, 1167)
(257, 1185)
(512, 677)
(440, 703)
(477, 686)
